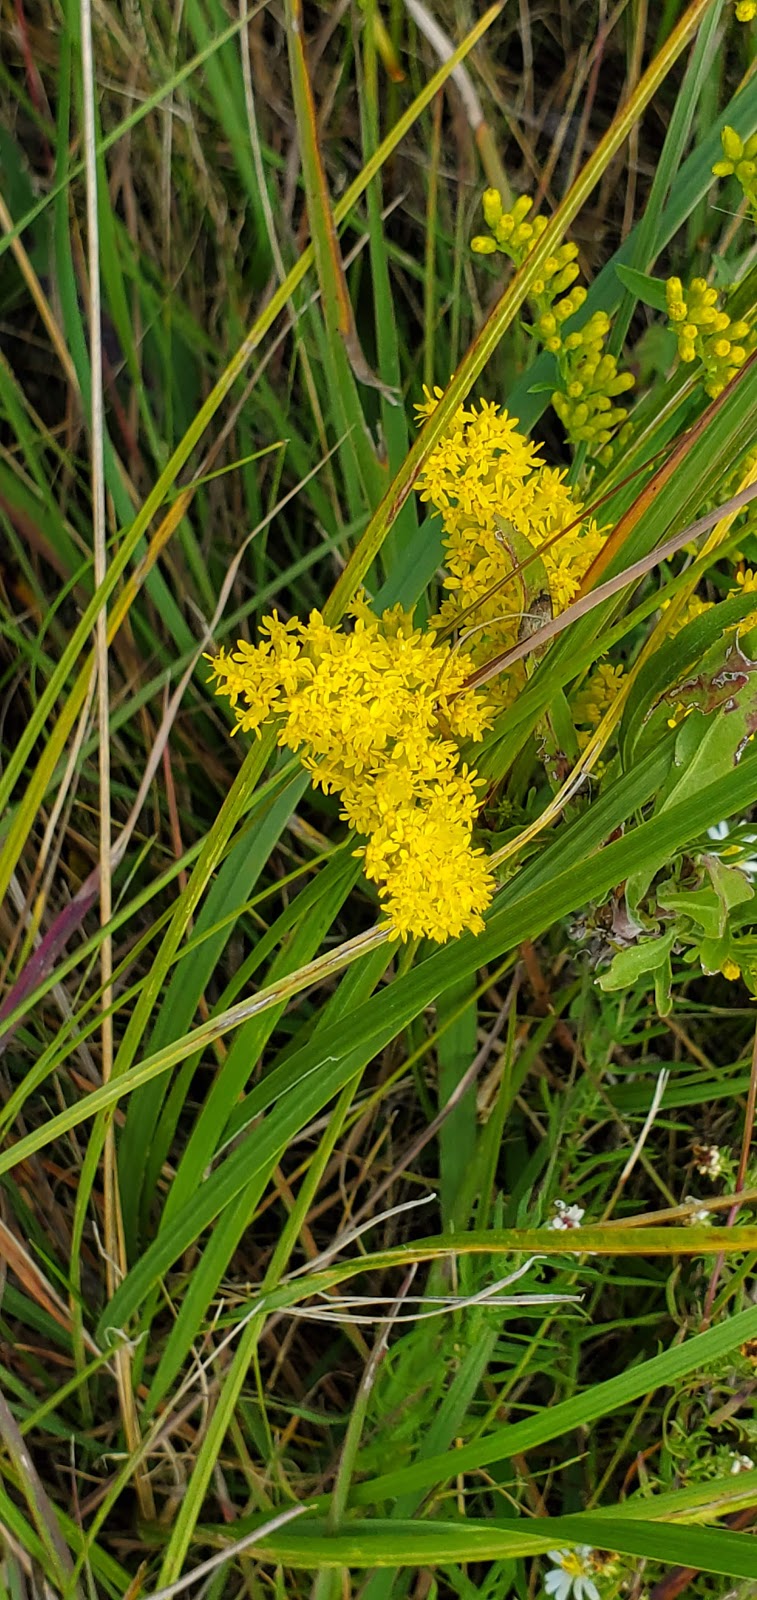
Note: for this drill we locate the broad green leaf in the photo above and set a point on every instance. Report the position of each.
(671, 662)
(648, 958)
(651, 291)
(307, 1543)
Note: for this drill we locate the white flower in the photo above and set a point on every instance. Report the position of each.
(571, 1574)
(708, 1159)
(740, 1463)
(566, 1216)
(701, 1214)
(719, 832)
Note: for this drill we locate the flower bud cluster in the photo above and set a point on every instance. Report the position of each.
(706, 333)
(589, 381)
(740, 156)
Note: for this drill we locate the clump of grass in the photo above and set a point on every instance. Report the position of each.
(291, 1299)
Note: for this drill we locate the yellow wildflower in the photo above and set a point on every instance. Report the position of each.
(705, 332)
(589, 380)
(746, 10)
(374, 714)
(739, 160)
(501, 507)
(590, 383)
(426, 407)
(694, 607)
(747, 584)
(431, 881)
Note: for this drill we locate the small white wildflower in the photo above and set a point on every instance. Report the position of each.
(740, 1463)
(701, 1214)
(719, 832)
(566, 1216)
(571, 1574)
(708, 1159)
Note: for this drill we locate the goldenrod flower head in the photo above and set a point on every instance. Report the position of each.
(486, 478)
(426, 407)
(746, 584)
(374, 714)
(493, 208)
(431, 881)
(510, 232)
(705, 332)
(590, 384)
(483, 245)
(746, 10)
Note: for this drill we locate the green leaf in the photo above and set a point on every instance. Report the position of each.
(308, 1543)
(650, 957)
(651, 291)
(559, 1421)
(670, 663)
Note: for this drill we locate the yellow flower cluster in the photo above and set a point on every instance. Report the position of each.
(747, 584)
(740, 155)
(746, 10)
(502, 509)
(591, 383)
(594, 700)
(694, 607)
(515, 236)
(706, 332)
(375, 713)
(589, 377)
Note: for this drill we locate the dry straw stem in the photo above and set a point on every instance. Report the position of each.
(319, 970)
(482, 133)
(229, 1553)
(115, 1250)
(249, 776)
(37, 1500)
(25, 991)
(651, 491)
(39, 297)
(335, 295)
